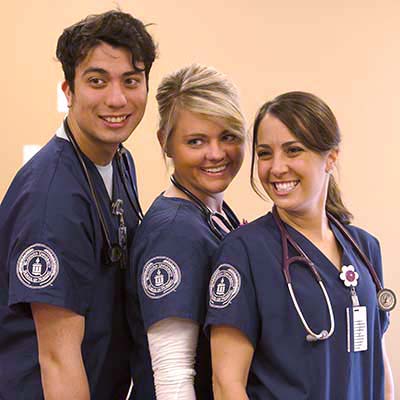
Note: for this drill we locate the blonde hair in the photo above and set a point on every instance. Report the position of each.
(201, 90)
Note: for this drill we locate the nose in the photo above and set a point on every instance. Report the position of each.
(278, 165)
(215, 151)
(116, 97)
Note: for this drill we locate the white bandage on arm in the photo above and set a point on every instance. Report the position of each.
(173, 344)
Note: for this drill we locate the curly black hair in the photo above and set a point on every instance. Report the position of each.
(114, 27)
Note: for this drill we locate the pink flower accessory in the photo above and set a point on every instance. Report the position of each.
(349, 276)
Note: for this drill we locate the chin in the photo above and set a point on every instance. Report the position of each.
(216, 189)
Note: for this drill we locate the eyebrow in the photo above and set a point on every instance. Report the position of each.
(286, 144)
(102, 71)
(224, 132)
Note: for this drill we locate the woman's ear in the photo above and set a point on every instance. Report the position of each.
(331, 161)
(162, 139)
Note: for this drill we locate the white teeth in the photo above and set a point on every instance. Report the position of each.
(215, 170)
(285, 186)
(115, 119)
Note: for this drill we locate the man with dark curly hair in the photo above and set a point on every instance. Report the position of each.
(67, 221)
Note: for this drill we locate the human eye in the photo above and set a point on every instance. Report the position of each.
(264, 154)
(195, 142)
(294, 150)
(231, 138)
(132, 81)
(96, 82)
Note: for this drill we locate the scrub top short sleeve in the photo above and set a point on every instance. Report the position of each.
(52, 243)
(171, 274)
(377, 263)
(52, 252)
(372, 249)
(232, 296)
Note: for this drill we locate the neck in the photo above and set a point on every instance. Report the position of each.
(313, 224)
(213, 202)
(98, 153)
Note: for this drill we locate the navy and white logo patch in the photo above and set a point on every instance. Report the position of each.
(160, 276)
(37, 266)
(224, 286)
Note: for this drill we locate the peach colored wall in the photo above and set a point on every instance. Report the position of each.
(347, 52)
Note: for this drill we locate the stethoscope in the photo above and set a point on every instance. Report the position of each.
(115, 252)
(231, 222)
(386, 297)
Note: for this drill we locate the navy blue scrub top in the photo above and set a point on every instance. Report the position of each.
(169, 274)
(248, 291)
(51, 252)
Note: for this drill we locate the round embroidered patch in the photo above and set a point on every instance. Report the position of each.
(37, 266)
(160, 276)
(224, 286)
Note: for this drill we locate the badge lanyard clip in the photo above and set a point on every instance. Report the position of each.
(117, 209)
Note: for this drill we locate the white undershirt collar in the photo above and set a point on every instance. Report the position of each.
(106, 171)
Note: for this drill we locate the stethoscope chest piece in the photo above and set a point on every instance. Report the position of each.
(386, 299)
(114, 253)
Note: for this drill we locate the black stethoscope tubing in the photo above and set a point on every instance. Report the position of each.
(121, 158)
(114, 251)
(231, 223)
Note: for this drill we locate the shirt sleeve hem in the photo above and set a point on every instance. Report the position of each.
(234, 324)
(171, 314)
(76, 308)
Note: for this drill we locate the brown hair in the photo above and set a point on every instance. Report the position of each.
(115, 28)
(313, 123)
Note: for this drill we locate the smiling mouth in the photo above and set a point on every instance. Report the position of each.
(215, 170)
(285, 187)
(115, 119)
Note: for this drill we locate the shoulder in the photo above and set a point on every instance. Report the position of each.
(174, 230)
(364, 239)
(175, 218)
(129, 156)
(50, 180)
(55, 161)
(262, 229)
(129, 163)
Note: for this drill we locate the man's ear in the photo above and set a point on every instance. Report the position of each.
(68, 92)
(162, 139)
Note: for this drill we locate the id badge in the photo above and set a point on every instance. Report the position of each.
(357, 329)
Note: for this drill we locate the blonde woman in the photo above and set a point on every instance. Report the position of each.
(202, 131)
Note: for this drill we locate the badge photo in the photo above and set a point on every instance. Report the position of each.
(224, 286)
(37, 266)
(160, 276)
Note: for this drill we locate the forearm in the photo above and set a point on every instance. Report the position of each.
(389, 383)
(231, 354)
(229, 390)
(62, 380)
(60, 333)
(172, 345)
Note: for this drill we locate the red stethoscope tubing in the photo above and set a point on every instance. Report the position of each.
(303, 258)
